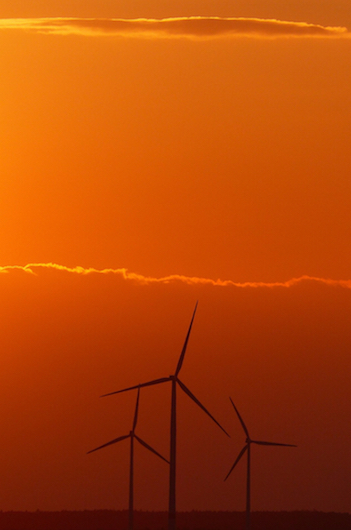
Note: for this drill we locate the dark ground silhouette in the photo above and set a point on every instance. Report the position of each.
(194, 520)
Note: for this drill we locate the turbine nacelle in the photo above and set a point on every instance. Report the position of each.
(132, 435)
(174, 377)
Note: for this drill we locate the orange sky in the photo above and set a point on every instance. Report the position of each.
(205, 148)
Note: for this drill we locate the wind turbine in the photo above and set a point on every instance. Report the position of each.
(247, 447)
(131, 435)
(173, 428)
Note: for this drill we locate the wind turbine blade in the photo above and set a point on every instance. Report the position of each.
(149, 383)
(136, 410)
(191, 395)
(110, 443)
(237, 460)
(150, 448)
(272, 443)
(240, 418)
(181, 358)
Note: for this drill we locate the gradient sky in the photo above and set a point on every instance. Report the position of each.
(159, 154)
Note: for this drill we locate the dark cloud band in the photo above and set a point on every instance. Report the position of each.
(188, 27)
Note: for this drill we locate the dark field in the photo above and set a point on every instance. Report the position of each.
(118, 520)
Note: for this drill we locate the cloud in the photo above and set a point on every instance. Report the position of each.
(180, 27)
(32, 268)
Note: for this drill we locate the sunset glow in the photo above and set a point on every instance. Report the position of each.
(154, 155)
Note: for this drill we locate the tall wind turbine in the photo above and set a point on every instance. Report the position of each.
(247, 447)
(131, 435)
(173, 429)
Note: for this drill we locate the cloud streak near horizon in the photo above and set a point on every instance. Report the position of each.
(123, 273)
(178, 27)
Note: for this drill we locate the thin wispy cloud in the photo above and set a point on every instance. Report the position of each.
(35, 268)
(179, 27)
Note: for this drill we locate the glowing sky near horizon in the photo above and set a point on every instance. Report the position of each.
(154, 154)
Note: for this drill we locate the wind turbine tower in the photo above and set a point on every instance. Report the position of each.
(173, 427)
(132, 435)
(247, 448)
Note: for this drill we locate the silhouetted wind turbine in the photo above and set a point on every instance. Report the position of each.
(131, 435)
(173, 431)
(247, 447)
